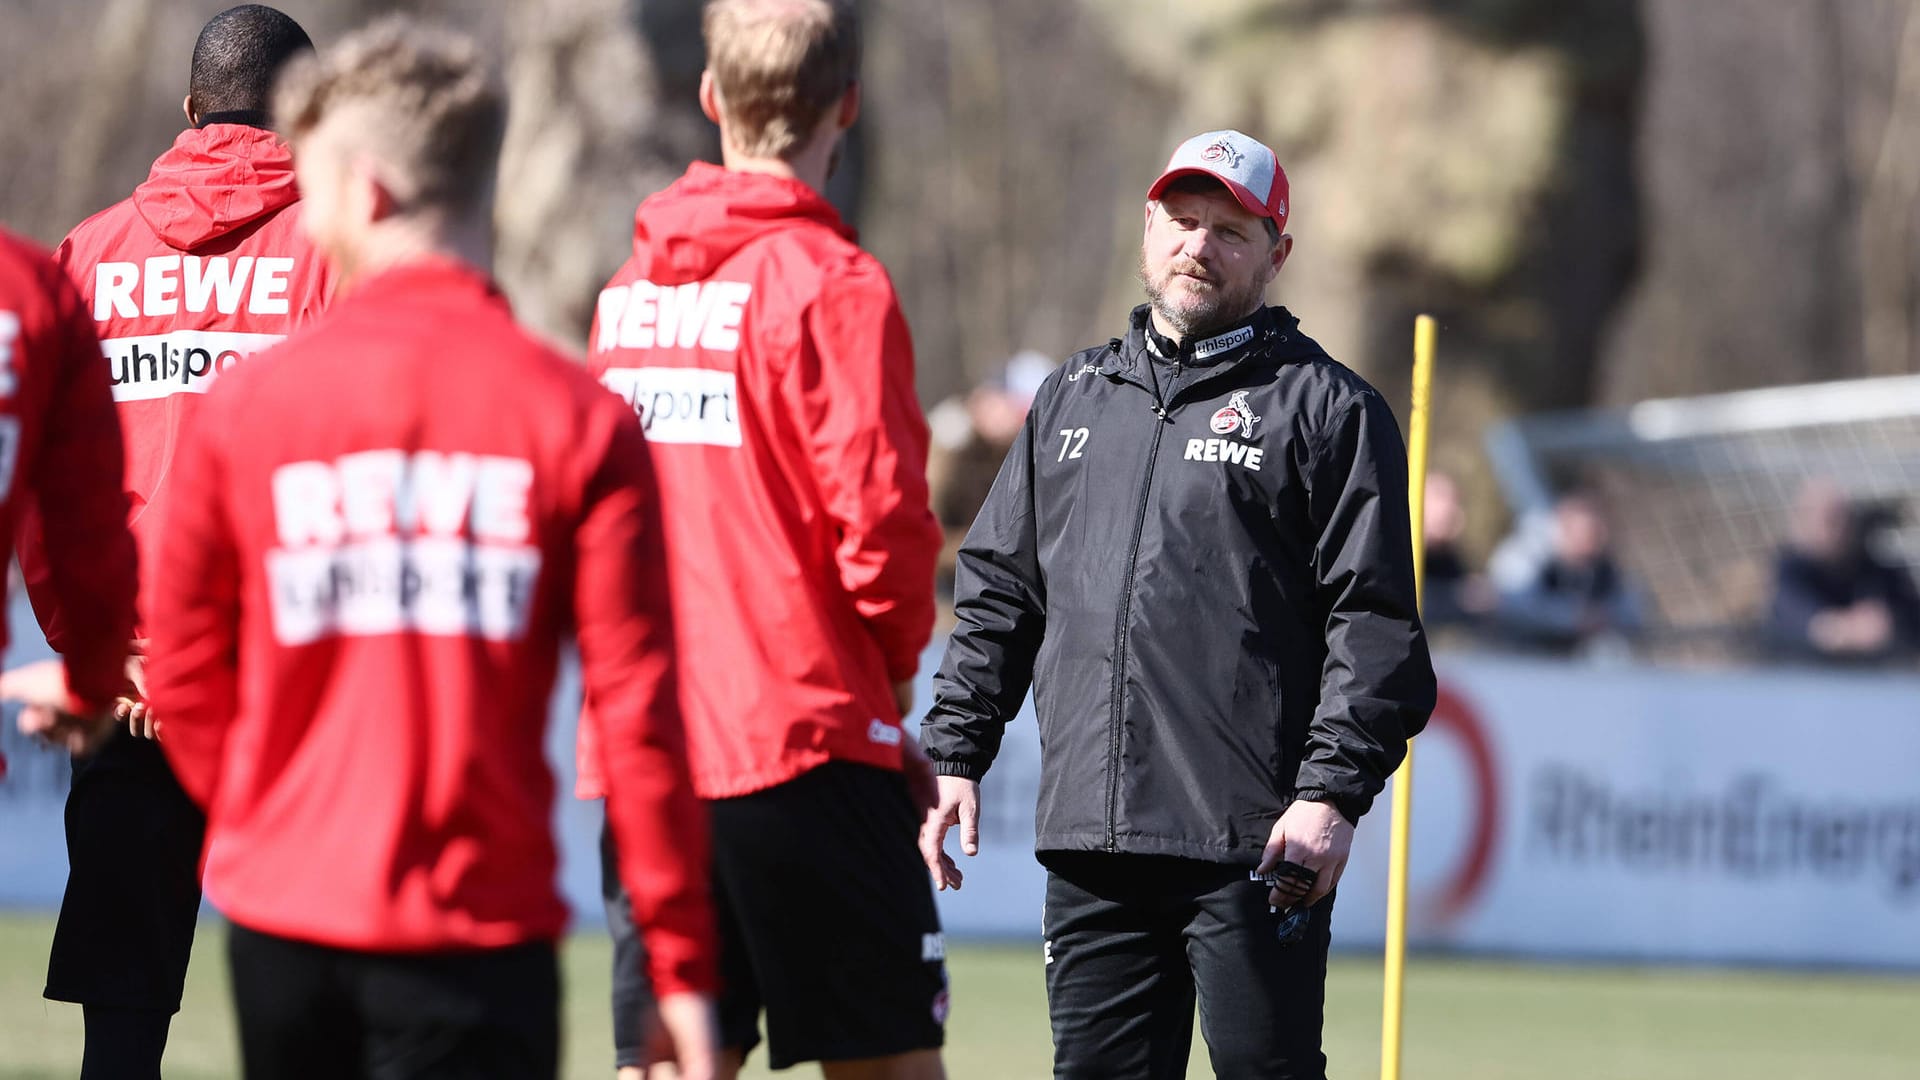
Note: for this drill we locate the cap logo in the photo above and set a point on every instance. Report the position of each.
(1221, 151)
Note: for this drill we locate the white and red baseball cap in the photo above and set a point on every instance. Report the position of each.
(1247, 166)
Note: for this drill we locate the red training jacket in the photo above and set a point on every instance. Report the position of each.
(204, 265)
(384, 528)
(60, 446)
(767, 358)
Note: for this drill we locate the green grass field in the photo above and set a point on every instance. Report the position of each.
(1482, 1021)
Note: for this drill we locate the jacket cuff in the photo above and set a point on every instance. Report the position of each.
(961, 769)
(1351, 807)
(688, 975)
(95, 681)
(90, 707)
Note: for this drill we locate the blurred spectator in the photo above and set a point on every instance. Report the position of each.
(1833, 599)
(971, 437)
(1559, 586)
(1454, 595)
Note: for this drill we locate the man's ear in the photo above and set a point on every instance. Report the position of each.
(372, 191)
(1147, 221)
(186, 106)
(709, 96)
(849, 106)
(1281, 250)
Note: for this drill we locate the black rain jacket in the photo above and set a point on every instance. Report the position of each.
(1202, 564)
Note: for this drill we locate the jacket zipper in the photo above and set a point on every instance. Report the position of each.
(1126, 606)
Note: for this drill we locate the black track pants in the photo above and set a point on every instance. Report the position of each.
(1132, 941)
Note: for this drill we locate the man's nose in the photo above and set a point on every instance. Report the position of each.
(1199, 246)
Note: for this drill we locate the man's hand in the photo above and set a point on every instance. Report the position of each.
(41, 689)
(1317, 837)
(132, 709)
(959, 804)
(138, 717)
(1872, 626)
(1863, 627)
(685, 1031)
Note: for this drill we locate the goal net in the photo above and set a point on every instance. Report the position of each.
(1700, 491)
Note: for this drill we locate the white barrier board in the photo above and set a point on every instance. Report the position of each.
(1610, 812)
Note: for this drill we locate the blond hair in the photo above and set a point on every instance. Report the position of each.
(779, 65)
(419, 99)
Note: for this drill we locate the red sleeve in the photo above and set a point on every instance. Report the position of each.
(625, 627)
(29, 541)
(30, 547)
(854, 380)
(194, 666)
(588, 782)
(77, 554)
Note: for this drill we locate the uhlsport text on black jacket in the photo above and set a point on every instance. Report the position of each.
(1201, 561)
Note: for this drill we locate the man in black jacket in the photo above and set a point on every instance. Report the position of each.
(1198, 554)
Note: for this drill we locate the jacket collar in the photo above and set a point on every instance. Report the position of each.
(701, 220)
(1218, 347)
(253, 118)
(1254, 338)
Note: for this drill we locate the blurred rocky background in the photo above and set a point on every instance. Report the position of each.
(1602, 200)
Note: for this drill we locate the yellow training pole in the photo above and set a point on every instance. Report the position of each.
(1390, 1017)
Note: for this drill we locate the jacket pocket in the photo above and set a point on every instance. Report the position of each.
(1258, 711)
(1281, 759)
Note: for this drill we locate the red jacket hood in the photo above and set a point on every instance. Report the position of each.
(685, 232)
(214, 180)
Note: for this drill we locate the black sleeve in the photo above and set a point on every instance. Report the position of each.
(1377, 686)
(1790, 615)
(1000, 601)
(1903, 603)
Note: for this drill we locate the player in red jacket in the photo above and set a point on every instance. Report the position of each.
(768, 360)
(382, 532)
(201, 267)
(60, 446)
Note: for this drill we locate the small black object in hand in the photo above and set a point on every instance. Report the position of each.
(1291, 877)
(1293, 925)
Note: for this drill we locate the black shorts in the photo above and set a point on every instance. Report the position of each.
(133, 881)
(827, 919)
(307, 1012)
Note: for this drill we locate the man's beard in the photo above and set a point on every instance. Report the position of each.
(1210, 307)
